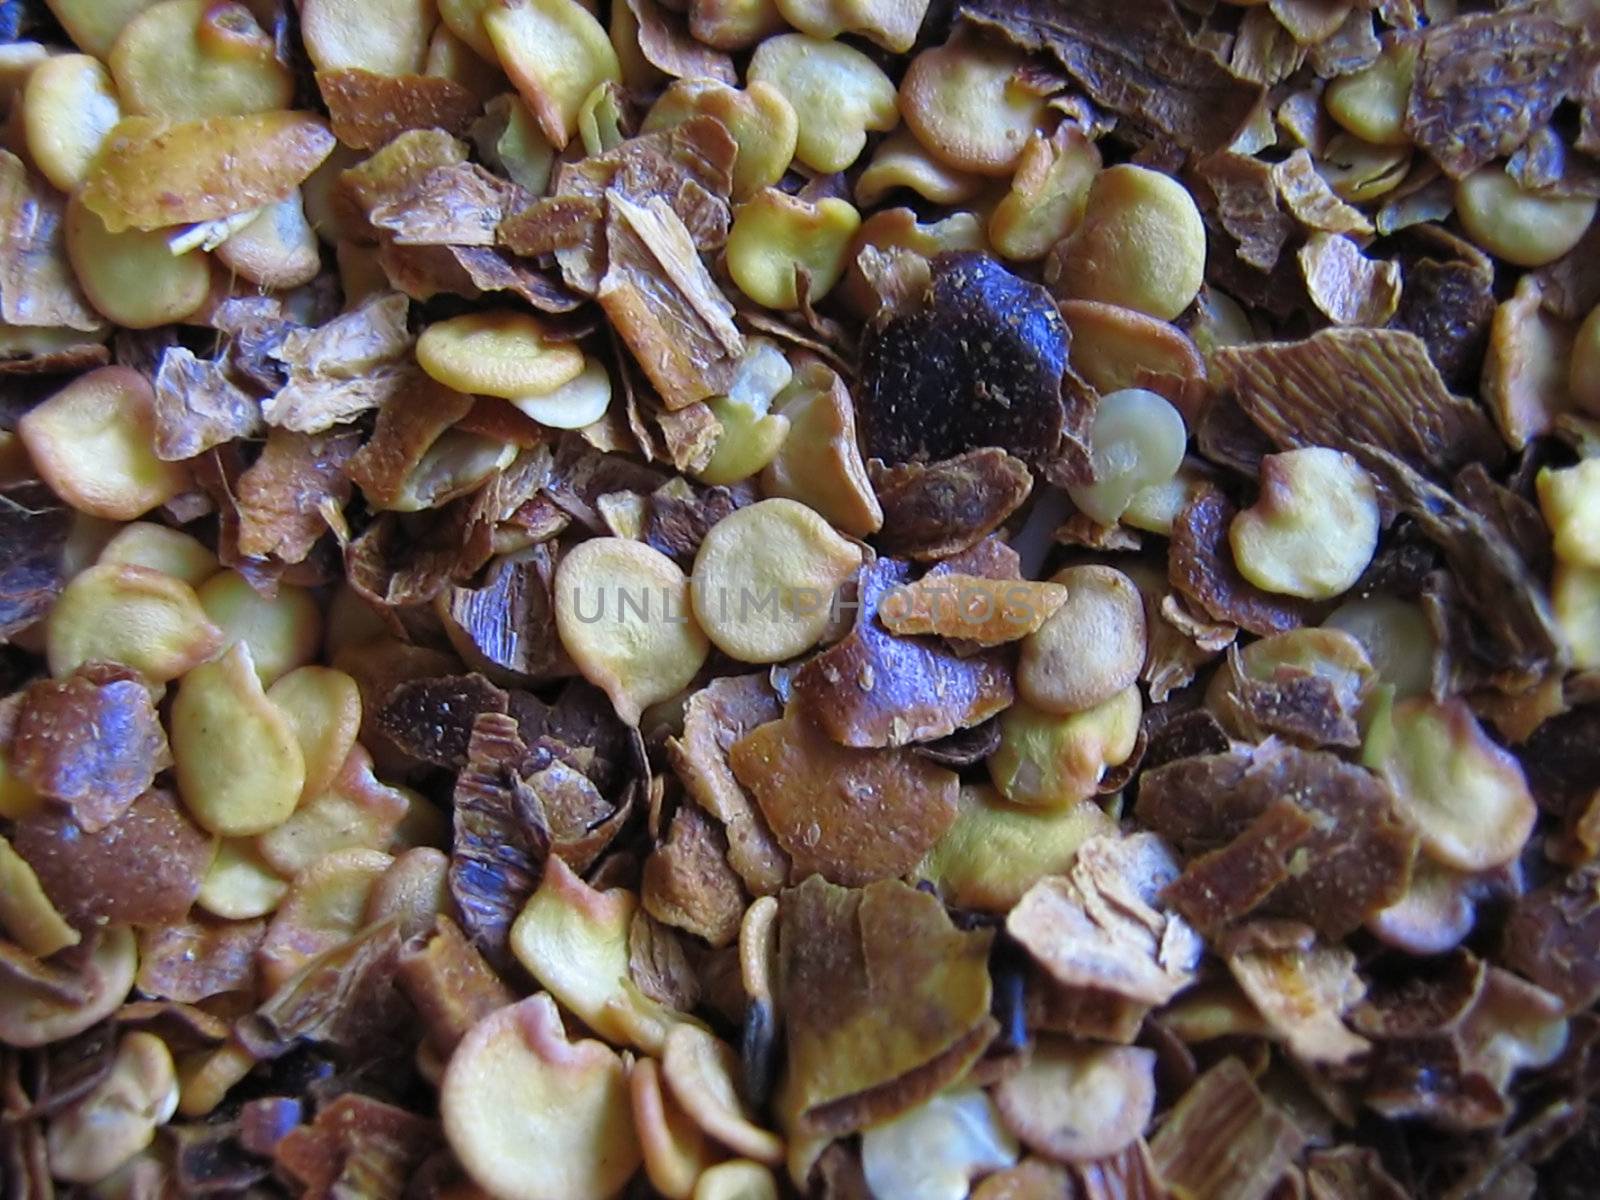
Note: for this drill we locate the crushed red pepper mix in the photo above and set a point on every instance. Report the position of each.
(861, 599)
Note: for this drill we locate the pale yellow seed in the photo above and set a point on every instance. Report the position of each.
(1091, 648)
(386, 36)
(1575, 600)
(282, 632)
(1051, 761)
(892, 24)
(133, 278)
(622, 613)
(499, 353)
(765, 578)
(96, 1134)
(837, 92)
(819, 463)
(68, 108)
(26, 914)
(972, 105)
(240, 886)
(237, 762)
(159, 548)
(31, 1016)
(777, 238)
(191, 59)
(1522, 227)
(555, 53)
(1048, 195)
(676, 1153)
(1137, 441)
(734, 24)
(760, 118)
(900, 161)
(1313, 528)
(1583, 375)
(1569, 497)
(323, 707)
(579, 402)
(277, 249)
(133, 616)
(323, 909)
(93, 25)
(1371, 103)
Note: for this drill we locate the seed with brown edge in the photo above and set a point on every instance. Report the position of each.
(1054, 761)
(238, 763)
(133, 616)
(676, 1152)
(1080, 1102)
(531, 1115)
(972, 104)
(623, 615)
(765, 577)
(1314, 527)
(1090, 648)
(700, 1069)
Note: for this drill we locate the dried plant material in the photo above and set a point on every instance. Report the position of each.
(1307, 685)
(1151, 72)
(1077, 1103)
(145, 867)
(885, 1003)
(666, 45)
(1350, 1171)
(198, 407)
(1346, 386)
(1465, 795)
(151, 173)
(676, 1152)
(501, 836)
(970, 607)
(34, 527)
(1200, 567)
(872, 688)
(26, 914)
(688, 882)
(700, 1070)
(432, 719)
(923, 396)
(1302, 990)
(324, 907)
(449, 983)
(339, 370)
(1116, 348)
(198, 958)
(356, 1144)
(1523, 382)
(1225, 1138)
(1551, 935)
(1353, 860)
(33, 1013)
(285, 497)
(934, 510)
(37, 287)
(1484, 82)
(851, 815)
(1096, 926)
(532, 1116)
(97, 1134)
(93, 443)
(91, 741)
(639, 659)
(368, 110)
(715, 719)
(765, 580)
(1312, 201)
(1247, 206)
(1347, 286)
(663, 303)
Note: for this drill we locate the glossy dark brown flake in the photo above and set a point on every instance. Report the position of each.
(934, 510)
(1201, 568)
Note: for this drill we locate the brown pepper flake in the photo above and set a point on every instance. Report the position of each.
(934, 510)
(197, 406)
(715, 718)
(1449, 303)
(449, 984)
(1097, 926)
(665, 44)
(664, 304)
(508, 622)
(1224, 1140)
(33, 533)
(432, 719)
(1200, 567)
(987, 612)
(368, 110)
(1524, 378)
(1346, 387)
(287, 496)
(1136, 60)
(37, 285)
(459, 204)
(198, 958)
(1347, 286)
(687, 882)
(407, 427)
(874, 688)
(1350, 1173)
(885, 1002)
(1485, 81)
(92, 741)
(1553, 937)
(357, 1146)
(355, 362)
(1302, 990)
(1247, 205)
(1308, 196)
(853, 816)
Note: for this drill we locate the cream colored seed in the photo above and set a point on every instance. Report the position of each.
(324, 908)
(238, 764)
(971, 104)
(760, 118)
(1080, 1102)
(751, 435)
(1583, 375)
(1372, 102)
(1522, 227)
(777, 237)
(1091, 648)
(526, 154)
(464, 18)
(159, 548)
(323, 707)
(93, 25)
(765, 577)
(676, 1153)
(622, 613)
(93, 442)
(449, 57)
(900, 161)
(580, 401)
(700, 1069)
(191, 59)
(1141, 244)
(556, 53)
(837, 93)
(133, 278)
(415, 891)
(26, 914)
(32, 1017)
(282, 632)
(505, 353)
(734, 24)
(1115, 348)
(819, 463)
(1137, 441)
(1575, 600)
(277, 249)
(934, 1150)
(892, 24)
(93, 1136)
(1358, 171)
(737, 1179)
(354, 812)
(130, 615)
(1396, 637)
(389, 37)
(240, 885)
(1051, 761)
(205, 1077)
(1569, 497)
(1313, 528)
(531, 1115)
(1048, 194)
(68, 108)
